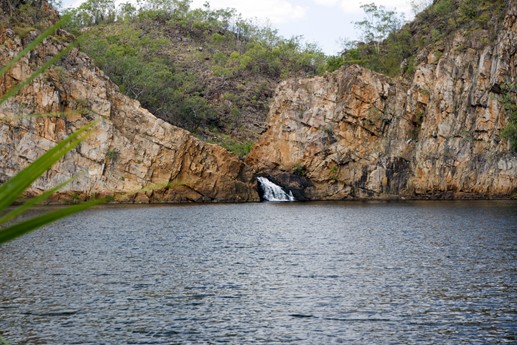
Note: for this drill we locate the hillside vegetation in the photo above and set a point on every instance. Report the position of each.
(208, 71)
(404, 46)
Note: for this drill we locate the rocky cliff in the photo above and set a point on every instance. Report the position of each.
(358, 134)
(130, 148)
(350, 134)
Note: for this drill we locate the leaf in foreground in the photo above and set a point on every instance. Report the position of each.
(11, 190)
(27, 226)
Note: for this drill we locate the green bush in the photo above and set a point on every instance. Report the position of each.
(112, 155)
(469, 9)
(300, 169)
(510, 132)
(443, 8)
(241, 149)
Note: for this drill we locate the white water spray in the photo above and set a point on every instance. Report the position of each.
(273, 192)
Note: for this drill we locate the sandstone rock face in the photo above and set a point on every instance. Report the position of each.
(349, 134)
(358, 134)
(130, 148)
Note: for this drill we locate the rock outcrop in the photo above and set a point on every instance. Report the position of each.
(358, 134)
(130, 149)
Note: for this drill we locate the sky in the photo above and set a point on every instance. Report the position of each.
(324, 22)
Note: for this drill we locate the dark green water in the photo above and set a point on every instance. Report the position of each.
(270, 273)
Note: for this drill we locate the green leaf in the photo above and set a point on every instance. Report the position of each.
(34, 44)
(32, 202)
(32, 224)
(15, 186)
(15, 89)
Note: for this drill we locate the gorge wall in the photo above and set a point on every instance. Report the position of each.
(358, 134)
(130, 148)
(348, 134)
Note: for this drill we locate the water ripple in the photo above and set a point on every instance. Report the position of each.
(316, 273)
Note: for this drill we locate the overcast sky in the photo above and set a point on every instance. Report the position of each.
(323, 22)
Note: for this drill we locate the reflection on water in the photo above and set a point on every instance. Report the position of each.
(315, 273)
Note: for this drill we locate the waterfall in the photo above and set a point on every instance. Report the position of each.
(272, 192)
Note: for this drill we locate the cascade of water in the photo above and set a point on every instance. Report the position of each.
(273, 192)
